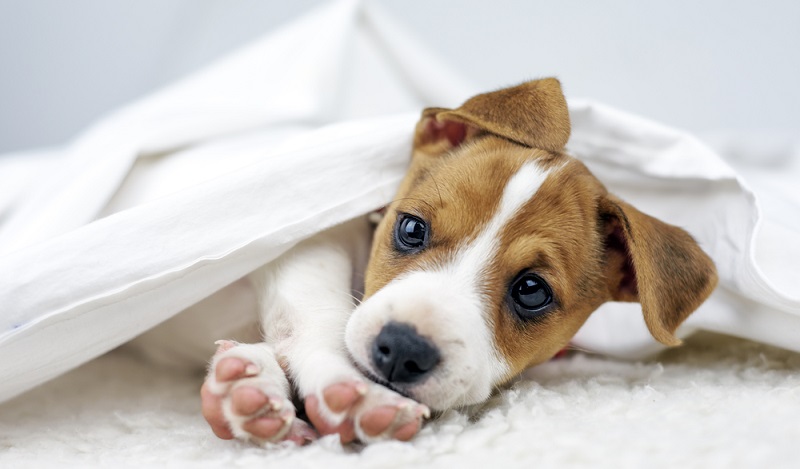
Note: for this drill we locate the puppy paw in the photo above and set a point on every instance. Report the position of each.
(246, 396)
(365, 411)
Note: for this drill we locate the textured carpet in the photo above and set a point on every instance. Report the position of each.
(716, 402)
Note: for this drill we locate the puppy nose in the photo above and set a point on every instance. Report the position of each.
(402, 355)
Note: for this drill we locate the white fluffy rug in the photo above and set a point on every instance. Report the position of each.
(716, 402)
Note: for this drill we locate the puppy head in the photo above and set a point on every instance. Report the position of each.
(499, 246)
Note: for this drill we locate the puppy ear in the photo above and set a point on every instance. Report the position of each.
(656, 264)
(533, 114)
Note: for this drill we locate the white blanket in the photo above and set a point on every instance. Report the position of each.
(717, 402)
(185, 191)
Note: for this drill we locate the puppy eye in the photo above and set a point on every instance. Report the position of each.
(411, 233)
(530, 296)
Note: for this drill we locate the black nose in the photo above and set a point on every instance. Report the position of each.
(402, 355)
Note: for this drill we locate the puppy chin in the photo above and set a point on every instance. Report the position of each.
(454, 323)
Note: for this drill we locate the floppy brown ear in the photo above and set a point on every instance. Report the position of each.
(657, 264)
(533, 114)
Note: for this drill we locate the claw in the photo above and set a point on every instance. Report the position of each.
(275, 404)
(423, 411)
(223, 345)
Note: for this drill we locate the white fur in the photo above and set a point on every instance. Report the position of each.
(305, 300)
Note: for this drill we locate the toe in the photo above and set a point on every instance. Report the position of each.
(212, 412)
(345, 429)
(248, 400)
(342, 396)
(377, 420)
(265, 427)
(406, 432)
(230, 368)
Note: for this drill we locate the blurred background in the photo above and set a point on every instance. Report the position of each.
(715, 65)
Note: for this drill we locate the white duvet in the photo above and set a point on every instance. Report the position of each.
(182, 193)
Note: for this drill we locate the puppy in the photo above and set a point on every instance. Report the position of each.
(495, 251)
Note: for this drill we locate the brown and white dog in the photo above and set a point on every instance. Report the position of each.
(495, 251)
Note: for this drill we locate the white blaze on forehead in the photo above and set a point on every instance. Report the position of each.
(469, 264)
(520, 189)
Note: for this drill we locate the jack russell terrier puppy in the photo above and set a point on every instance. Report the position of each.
(495, 251)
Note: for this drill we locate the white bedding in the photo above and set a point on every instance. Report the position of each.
(715, 403)
(185, 191)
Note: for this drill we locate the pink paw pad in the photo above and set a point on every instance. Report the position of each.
(367, 411)
(247, 398)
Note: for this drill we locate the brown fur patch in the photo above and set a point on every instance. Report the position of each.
(555, 236)
(533, 114)
(456, 194)
(673, 275)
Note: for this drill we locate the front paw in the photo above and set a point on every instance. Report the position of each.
(246, 395)
(366, 411)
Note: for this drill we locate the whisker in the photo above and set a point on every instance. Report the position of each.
(357, 300)
(576, 348)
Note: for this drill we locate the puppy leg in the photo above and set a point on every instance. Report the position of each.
(311, 290)
(247, 395)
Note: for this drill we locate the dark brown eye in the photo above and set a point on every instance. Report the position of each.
(411, 234)
(530, 296)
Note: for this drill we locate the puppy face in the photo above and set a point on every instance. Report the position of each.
(499, 246)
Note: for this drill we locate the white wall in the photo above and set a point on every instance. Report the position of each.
(700, 65)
